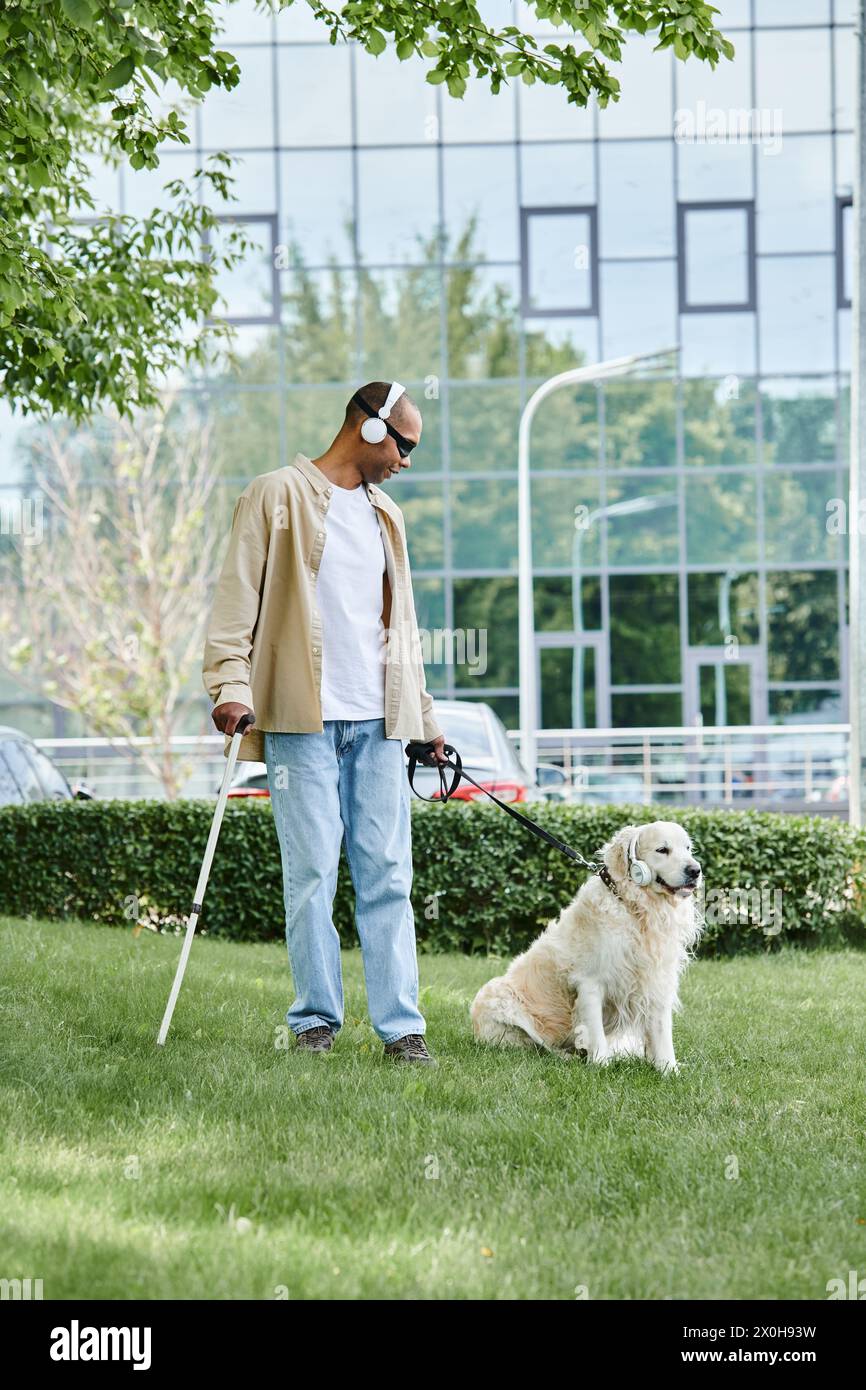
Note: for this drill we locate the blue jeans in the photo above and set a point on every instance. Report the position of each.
(351, 779)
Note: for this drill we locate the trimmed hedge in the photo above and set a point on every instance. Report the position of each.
(481, 881)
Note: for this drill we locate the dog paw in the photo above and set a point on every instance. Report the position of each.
(601, 1059)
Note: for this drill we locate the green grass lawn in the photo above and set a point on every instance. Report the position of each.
(224, 1166)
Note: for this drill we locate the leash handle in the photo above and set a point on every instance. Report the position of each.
(422, 753)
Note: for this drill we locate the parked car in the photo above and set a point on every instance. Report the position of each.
(27, 774)
(488, 755)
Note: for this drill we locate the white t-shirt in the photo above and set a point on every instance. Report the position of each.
(349, 599)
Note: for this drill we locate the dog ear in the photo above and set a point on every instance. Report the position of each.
(615, 852)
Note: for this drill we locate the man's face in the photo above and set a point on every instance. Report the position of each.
(379, 462)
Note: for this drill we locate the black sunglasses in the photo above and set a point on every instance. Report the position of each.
(404, 446)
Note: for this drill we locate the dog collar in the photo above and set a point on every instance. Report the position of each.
(606, 879)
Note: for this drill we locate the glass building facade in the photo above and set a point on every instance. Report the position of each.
(686, 562)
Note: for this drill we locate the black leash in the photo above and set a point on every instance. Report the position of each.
(422, 753)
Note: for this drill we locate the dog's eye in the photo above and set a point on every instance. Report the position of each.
(663, 850)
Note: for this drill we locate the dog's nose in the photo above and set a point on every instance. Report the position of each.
(693, 871)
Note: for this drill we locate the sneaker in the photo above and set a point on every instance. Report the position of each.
(318, 1039)
(412, 1048)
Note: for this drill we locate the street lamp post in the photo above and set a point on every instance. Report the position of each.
(857, 488)
(628, 507)
(576, 376)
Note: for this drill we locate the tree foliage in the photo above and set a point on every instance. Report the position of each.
(97, 311)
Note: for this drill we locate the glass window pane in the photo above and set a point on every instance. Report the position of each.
(430, 611)
(554, 604)
(721, 519)
(313, 416)
(298, 24)
(489, 605)
(247, 289)
(642, 522)
(845, 76)
(317, 208)
(636, 213)
(478, 114)
(770, 12)
(398, 218)
(246, 429)
(790, 706)
(640, 424)
(421, 504)
(708, 172)
(638, 307)
(481, 305)
(645, 106)
(710, 99)
(144, 189)
(557, 344)
(798, 420)
(731, 705)
(557, 683)
(795, 196)
(803, 626)
(796, 297)
(243, 21)
(242, 118)
(319, 311)
(481, 192)
(722, 606)
(732, 12)
(644, 629)
(647, 711)
(846, 251)
(565, 530)
(793, 76)
(400, 323)
(566, 431)
(545, 113)
(483, 423)
(716, 254)
(557, 175)
(796, 516)
(719, 421)
(396, 104)
(715, 344)
(315, 95)
(14, 429)
(559, 258)
(484, 524)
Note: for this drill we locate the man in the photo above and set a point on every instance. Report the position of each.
(314, 629)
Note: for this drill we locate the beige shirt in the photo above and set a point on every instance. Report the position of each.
(264, 640)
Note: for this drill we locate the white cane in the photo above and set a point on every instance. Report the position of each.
(192, 920)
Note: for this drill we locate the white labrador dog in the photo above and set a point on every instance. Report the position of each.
(603, 977)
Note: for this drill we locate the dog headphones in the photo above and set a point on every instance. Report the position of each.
(374, 430)
(639, 871)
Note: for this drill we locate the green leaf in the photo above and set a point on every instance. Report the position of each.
(436, 75)
(405, 49)
(38, 175)
(119, 75)
(80, 12)
(376, 42)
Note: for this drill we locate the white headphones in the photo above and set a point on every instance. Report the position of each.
(374, 430)
(639, 871)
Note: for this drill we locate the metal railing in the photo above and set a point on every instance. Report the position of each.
(785, 767)
(111, 769)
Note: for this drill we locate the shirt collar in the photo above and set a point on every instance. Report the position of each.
(322, 483)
